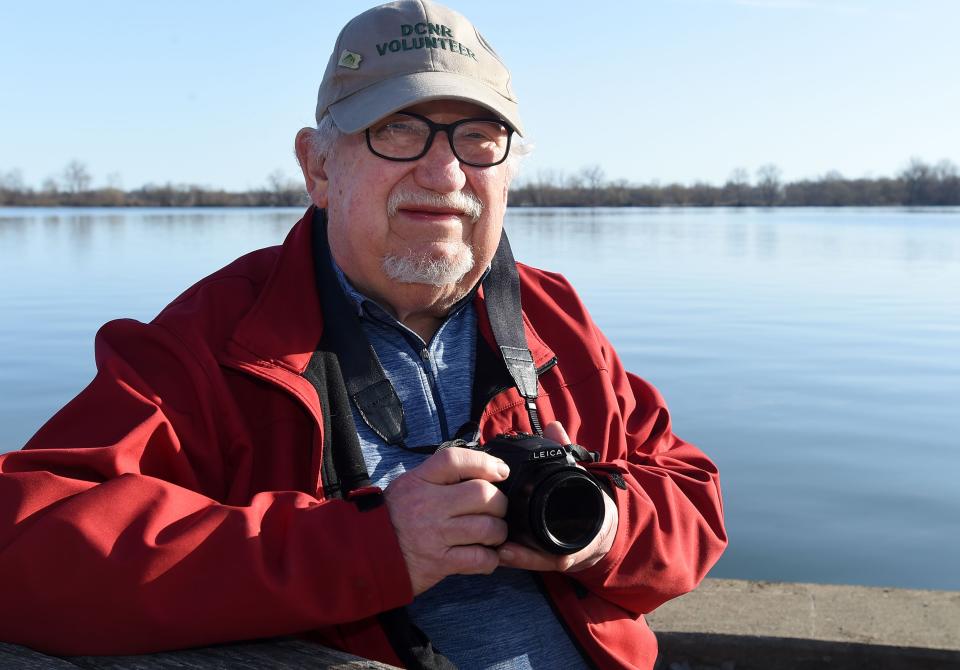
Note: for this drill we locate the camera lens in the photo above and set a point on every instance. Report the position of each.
(569, 507)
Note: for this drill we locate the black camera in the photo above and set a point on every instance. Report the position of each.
(553, 505)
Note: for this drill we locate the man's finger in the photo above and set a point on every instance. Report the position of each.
(474, 496)
(474, 529)
(458, 464)
(555, 431)
(471, 560)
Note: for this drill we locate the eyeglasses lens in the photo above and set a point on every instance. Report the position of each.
(474, 141)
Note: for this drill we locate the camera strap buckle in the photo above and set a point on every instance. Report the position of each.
(582, 454)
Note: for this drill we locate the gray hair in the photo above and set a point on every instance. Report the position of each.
(325, 136)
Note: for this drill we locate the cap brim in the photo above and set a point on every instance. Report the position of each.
(369, 105)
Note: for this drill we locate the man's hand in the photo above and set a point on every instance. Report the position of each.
(519, 556)
(448, 515)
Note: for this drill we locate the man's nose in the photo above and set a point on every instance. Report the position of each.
(440, 170)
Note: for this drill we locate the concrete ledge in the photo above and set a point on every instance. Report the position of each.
(704, 651)
(730, 623)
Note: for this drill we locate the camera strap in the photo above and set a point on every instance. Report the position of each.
(367, 384)
(501, 290)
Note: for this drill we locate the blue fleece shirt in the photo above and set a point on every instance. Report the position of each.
(478, 621)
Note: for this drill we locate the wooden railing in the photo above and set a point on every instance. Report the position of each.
(282, 654)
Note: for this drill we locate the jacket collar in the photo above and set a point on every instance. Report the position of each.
(284, 326)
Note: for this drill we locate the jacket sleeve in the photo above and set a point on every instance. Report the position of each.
(671, 529)
(112, 539)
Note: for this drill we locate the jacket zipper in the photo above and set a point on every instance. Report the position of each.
(426, 364)
(546, 366)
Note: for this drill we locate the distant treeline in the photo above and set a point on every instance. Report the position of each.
(168, 195)
(73, 188)
(918, 184)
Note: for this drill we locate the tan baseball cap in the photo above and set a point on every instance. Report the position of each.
(406, 52)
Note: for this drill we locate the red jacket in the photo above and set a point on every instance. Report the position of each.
(178, 501)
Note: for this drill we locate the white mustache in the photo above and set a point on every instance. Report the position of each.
(463, 201)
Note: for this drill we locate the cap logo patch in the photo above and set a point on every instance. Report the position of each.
(350, 60)
(425, 36)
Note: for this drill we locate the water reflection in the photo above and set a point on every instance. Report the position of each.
(81, 232)
(767, 241)
(13, 231)
(554, 223)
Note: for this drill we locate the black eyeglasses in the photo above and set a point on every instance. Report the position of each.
(405, 136)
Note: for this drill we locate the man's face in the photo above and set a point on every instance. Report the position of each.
(395, 225)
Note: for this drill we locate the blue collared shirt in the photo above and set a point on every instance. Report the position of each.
(478, 621)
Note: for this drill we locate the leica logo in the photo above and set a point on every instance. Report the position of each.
(546, 453)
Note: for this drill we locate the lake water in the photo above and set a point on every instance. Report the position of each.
(814, 354)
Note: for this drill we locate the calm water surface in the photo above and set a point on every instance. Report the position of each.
(814, 354)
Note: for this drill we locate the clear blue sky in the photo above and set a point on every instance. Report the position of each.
(668, 90)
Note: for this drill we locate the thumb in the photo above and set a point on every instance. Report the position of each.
(554, 431)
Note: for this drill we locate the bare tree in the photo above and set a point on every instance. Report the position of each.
(51, 185)
(593, 176)
(279, 181)
(919, 182)
(11, 186)
(76, 177)
(282, 190)
(539, 190)
(769, 184)
(115, 181)
(738, 185)
(948, 175)
(946, 169)
(549, 178)
(12, 180)
(593, 180)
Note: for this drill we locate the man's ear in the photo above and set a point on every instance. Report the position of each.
(314, 174)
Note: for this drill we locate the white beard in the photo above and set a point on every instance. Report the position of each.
(421, 268)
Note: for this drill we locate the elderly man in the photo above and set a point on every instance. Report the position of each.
(284, 448)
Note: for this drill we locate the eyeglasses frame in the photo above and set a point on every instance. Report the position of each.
(449, 129)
